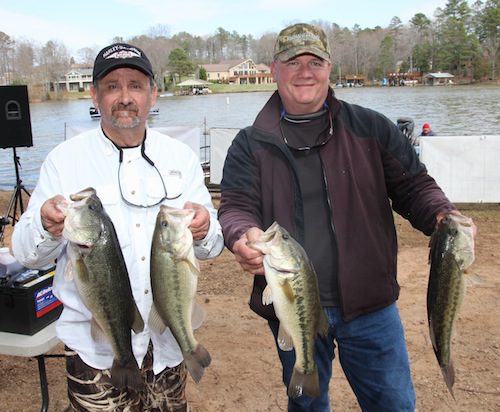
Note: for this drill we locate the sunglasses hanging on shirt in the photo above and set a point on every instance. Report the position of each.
(301, 119)
(152, 164)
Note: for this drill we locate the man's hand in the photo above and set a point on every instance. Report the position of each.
(250, 260)
(440, 216)
(52, 217)
(201, 221)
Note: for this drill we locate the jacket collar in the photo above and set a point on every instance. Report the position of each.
(268, 119)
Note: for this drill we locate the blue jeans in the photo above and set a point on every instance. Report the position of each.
(372, 353)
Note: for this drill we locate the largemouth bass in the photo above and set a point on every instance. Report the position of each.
(97, 265)
(451, 253)
(174, 280)
(292, 288)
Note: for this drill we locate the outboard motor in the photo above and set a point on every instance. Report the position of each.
(406, 125)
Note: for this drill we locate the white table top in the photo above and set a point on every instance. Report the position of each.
(24, 345)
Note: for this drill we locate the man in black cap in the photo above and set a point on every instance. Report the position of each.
(134, 169)
(329, 172)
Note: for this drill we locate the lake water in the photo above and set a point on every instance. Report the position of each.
(455, 110)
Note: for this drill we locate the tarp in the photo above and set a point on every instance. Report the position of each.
(220, 140)
(465, 167)
(188, 135)
(193, 82)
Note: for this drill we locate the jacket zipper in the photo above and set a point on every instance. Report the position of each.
(334, 232)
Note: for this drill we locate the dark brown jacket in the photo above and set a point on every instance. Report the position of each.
(369, 167)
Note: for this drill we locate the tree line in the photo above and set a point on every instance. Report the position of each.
(459, 39)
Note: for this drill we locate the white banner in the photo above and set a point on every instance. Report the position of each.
(188, 135)
(220, 140)
(467, 168)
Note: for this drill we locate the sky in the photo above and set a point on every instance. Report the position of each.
(94, 23)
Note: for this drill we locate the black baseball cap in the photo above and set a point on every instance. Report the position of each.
(119, 55)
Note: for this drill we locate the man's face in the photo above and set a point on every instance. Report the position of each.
(302, 83)
(124, 97)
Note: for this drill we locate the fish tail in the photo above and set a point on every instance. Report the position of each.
(126, 375)
(302, 383)
(197, 361)
(449, 377)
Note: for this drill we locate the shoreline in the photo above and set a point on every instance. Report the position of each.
(250, 88)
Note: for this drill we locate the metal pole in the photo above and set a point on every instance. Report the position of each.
(44, 386)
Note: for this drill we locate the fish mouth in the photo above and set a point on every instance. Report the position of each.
(265, 240)
(85, 248)
(83, 194)
(271, 233)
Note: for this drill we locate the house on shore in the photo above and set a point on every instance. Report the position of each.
(243, 71)
(438, 79)
(78, 79)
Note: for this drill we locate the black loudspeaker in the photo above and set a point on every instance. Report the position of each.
(15, 121)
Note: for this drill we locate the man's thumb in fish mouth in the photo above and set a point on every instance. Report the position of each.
(253, 234)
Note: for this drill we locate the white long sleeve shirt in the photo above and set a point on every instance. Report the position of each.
(91, 160)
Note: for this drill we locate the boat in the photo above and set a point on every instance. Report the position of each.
(94, 113)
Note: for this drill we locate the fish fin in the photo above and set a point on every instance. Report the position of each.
(137, 321)
(284, 340)
(267, 296)
(449, 377)
(193, 262)
(432, 335)
(197, 361)
(74, 259)
(198, 315)
(97, 332)
(126, 375)
(323, 324)
(155, 321)
(288, 291)
(303, 384)
(473, 279)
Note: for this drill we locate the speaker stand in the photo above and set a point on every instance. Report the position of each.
(16, 200)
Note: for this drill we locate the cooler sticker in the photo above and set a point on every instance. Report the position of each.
(45, 301)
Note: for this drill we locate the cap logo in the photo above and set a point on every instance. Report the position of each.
(302, 37)
(120, 52)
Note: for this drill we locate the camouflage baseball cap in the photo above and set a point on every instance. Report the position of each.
(299, 39)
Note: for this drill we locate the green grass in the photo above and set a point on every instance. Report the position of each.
(239, 88)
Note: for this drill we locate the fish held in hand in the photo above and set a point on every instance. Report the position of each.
(292, 288)
(96, 263)
(451, 253)
(174, 280)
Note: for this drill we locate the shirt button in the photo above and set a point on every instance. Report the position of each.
(143, 258)
(132, 192)
(137, 225)
(146, 292)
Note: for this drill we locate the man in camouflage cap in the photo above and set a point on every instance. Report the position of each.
(328, 172)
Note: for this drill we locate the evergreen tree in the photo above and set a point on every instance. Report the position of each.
(179, 64)
(487, 27)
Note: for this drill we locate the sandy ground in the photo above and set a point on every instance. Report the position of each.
(245, 374)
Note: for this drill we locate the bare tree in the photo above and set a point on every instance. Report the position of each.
(87, 55)
(157, 50)
(263, 48)
(23, 62)
(53, 61)
(6, 50)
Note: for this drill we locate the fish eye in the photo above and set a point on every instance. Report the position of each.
(164, 223)
(285, 236)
